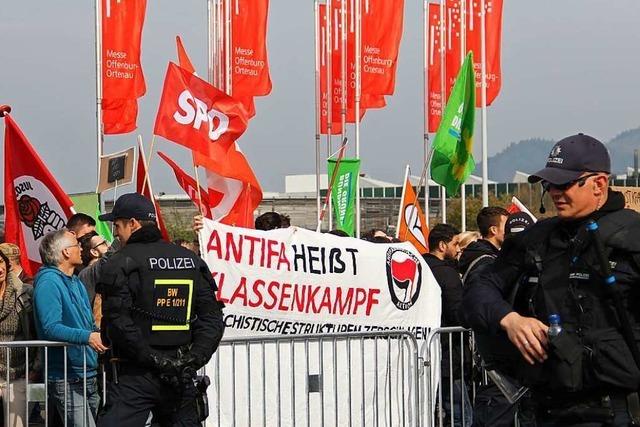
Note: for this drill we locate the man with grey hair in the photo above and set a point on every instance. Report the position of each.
(63, 313)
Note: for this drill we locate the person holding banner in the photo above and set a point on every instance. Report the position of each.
(580, 273)
(161, 319)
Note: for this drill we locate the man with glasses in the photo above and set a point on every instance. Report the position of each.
(586, 374)
(95, 252)
(62, 313)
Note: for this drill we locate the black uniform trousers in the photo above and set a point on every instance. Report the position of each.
(139, 392)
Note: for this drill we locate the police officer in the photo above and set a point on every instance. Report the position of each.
(160, 317)
(587, 374)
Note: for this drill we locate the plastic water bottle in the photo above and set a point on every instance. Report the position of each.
(555, 328)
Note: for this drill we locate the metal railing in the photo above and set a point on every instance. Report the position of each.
(346, 379)
(33, 390)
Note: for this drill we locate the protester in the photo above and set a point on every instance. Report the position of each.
(268, 221)
(81, 224)
(585, 371)
(468, 237)
(444, 247)
(16, 324)
(94, 248)
(12, 252)
(339, 233)
(285, 221)
(63, 313)
(517, 222)
(162, 319)
(376, 235)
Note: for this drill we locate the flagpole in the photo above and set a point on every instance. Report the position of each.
(425, 98)
(404, 190)
(483, 91)
(463, 39)
(343, 66)
(318, 100)
(358, 89)
(329, 58)
(210, 44)
(327, 198)
(147, 161)
(227, 43)
(443, 84)
(99, 134)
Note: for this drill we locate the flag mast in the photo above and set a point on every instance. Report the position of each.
(318, 102)
(425, 103)
(483, 92)
(358, 88)
(443, 190)
(404, 189)
(463, 39)
(329, 62)
(99, 133)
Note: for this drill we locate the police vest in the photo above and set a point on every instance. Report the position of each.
(563, 276)
(163, 287)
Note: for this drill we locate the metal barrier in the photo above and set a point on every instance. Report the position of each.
(343, 380)
(38, 392)
(455, 389)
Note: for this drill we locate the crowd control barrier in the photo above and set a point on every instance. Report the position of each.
(30, 393)
(351, 379)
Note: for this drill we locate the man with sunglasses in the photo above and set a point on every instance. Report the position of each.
(585, 375)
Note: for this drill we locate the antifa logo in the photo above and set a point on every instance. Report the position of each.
(404, 277)
(38, 216)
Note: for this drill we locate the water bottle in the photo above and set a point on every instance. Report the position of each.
(555, 328)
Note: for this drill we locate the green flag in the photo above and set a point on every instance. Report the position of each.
(102, 228)
(89, 203)
(343, 193)
(452, 160)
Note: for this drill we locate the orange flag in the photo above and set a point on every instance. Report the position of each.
(412, 226)
(195, 114)
(493, 29)
(122, 77)
(434, 61)
(381, 35)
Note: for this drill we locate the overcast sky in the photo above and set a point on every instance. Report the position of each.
(567, 66)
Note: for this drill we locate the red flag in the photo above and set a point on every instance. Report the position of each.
(122, 77)
(453, 20)
(517, 206)
(189, 185)
(144, 188)
(381, 35)
(34, 202)
(183, 58)
(195, 114)
(234, 190)
(434, 62)
(250, 72)
(325, 96)
(493, 29)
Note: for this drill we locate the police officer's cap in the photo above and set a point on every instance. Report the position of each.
(131, 205)
(571, 157)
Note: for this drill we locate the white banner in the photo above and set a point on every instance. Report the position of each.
(296, 281)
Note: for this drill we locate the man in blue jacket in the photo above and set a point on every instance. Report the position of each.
(63, 313)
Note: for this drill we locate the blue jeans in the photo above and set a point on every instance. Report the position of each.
(75, 400)
(459, 391)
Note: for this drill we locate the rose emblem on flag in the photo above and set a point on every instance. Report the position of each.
(28, 207)
(404, 277)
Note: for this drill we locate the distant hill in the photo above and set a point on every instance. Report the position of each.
(528, 155)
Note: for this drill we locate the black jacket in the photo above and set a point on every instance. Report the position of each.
(128, 284)
(448, 278)
(475, 250)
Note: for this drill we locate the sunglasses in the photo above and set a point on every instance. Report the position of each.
(104, 242)
(547, 186)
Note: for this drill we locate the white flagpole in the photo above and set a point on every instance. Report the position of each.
(463, 45)
(211, 46)
(404, 190)
(329, 61)
(483, 91)
(227, 41)
(318, 102)
(425, 93)
(443, 85)
(358, 22)
(343, 66)
(99, 131)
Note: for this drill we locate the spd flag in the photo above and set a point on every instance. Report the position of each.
(452, 160)
(143, 186)
(122, 78)
(493, 30)
(196, 115)
(183, 58)
(434, 62)
(189, 185)
(412, 225)
(381, 36)
(34, 202)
